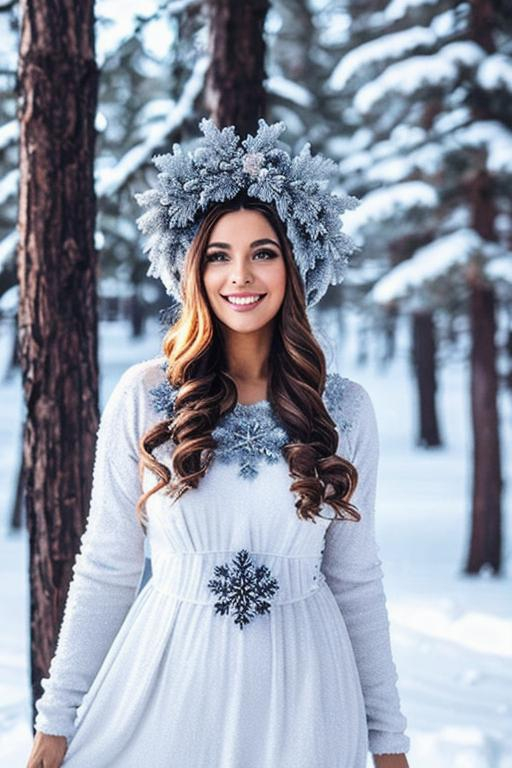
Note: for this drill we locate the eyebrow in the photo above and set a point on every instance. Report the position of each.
(263, 241)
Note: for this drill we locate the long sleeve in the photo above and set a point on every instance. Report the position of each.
(353, 571)
(109, 564)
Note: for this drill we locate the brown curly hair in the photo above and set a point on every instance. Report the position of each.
(196, 360)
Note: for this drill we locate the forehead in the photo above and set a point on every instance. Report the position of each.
(242, 226)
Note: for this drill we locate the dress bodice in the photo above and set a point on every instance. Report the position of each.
(242, 508)
(244, 498)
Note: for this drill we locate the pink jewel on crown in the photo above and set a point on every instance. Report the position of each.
(252, 163)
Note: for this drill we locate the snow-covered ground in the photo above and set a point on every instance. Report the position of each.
(451, 634)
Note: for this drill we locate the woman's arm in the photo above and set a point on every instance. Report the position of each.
(353, 572)
(108, 567)
(390, 761)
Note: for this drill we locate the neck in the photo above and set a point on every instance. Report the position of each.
(247, 355)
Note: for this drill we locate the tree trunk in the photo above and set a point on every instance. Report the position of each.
(424, 363)
(57, 90)
(234, 85)
(485, 544)
(137, 316)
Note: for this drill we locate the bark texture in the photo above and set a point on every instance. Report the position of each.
(234, 86)
(57, 96)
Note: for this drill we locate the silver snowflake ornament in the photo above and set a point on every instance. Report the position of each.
(244, 588)
(248, 435)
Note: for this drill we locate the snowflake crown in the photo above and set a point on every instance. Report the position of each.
(216, 169)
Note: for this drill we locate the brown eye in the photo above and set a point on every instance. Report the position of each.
(271, 254)
(211, 256)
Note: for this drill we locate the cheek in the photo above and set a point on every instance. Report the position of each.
(210, 282)
(278, 279)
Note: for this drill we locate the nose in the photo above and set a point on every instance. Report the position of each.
(241, 273)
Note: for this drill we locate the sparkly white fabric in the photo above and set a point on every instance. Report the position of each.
(163, 678)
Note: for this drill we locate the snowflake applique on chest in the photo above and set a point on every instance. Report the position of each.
(251, 433)
(248, 435)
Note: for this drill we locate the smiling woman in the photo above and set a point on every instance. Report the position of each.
(252, 472)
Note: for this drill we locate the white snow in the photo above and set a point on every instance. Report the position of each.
(449, 22)
(396, 168)
(287, 89)
(113, 28)
(9, 185)
(450, 633)
(397, 9)
(408, 76)
(9, 133)
(156, 109)
(500, 269)
(337, 29)
(109, 180)
(8, 247)
(158, 37)
(495, 72)
(491, 135)
(447, 121)
(430, 263)
(343, 146)
(9, 301)
(386, 203)
(392, 46)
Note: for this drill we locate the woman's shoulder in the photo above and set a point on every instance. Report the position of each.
(136, 385)
(346, 400)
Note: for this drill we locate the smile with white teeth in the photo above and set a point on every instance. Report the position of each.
(244, 299)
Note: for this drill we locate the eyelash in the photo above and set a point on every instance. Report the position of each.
(272, 254)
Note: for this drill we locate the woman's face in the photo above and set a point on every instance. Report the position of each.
(243, 258)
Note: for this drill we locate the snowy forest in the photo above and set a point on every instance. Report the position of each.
(413, 100)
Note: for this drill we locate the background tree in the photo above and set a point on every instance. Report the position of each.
(427, 91)
(234, 86)
(57, 307)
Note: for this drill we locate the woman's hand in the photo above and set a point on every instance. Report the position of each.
(47, 751)
(390, 761)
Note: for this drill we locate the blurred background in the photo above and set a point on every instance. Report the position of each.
(413, 99)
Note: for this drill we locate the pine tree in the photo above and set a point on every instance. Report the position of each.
(428, 95)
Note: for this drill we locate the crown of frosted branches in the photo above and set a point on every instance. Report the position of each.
(216, 169)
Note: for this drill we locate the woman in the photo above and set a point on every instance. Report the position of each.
(262, 638)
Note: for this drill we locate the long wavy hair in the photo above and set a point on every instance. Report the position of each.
(196, 365)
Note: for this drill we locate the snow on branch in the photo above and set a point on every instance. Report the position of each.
(393, 47)
(8, 248)
(496, 139)
(500, 269)
(495, 72)
(9, 185)
(110, 180)
(297, 94)
(114, 28)
(384, 204)
(410, 75)
(9, 133)
(430, 263)
(396, 10)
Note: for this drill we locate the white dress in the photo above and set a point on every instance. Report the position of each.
(261, 640)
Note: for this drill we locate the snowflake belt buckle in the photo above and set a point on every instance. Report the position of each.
(244, 588)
